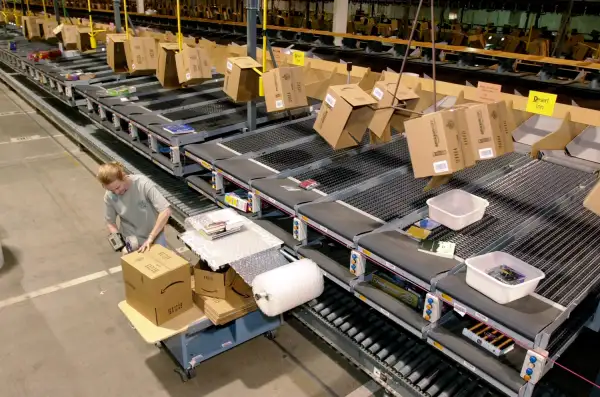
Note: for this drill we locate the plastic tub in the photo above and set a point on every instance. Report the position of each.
(456, 209)
(478, 277)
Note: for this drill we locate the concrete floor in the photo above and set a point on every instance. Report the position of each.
(62, 332)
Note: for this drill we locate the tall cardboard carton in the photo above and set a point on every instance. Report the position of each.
(157, 283)
(284, 88)
(193, 65)
(141, 54)
(434, 144)
(115, 52)
(241, 81)
(344, 116)
(484, 127)
(166, 70)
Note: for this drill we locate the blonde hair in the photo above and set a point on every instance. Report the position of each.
(110, 172)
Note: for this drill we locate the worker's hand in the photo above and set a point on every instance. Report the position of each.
(146, 246)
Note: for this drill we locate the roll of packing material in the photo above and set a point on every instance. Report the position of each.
(288, 286)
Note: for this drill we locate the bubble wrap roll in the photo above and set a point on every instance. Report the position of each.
(286, 287)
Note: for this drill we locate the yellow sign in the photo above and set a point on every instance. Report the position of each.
(541, 103)
(298, 58)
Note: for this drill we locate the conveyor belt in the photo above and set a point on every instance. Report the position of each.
(348, 171)
(201, 97)
(566, 247)
(513, 199)
(397, 352)
(271, 137)
(298, 156)
(208, 109)
(404, 194)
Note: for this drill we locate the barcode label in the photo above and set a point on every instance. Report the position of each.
(133, 66)
(330, 100)
(440, 166)
(279, 104)
(188, 76)
(229, 66)
(377, 93)
(486, 153)
(390, 266)
(469, 366)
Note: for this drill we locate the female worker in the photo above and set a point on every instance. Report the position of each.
(142, 210)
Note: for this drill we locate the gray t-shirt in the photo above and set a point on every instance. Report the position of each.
(137, 209)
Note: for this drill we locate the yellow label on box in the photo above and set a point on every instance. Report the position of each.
(541, 103)
(298, 58)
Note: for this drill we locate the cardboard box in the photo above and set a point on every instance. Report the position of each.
(238, 301)
(32, 27)
(462, 128)
(166, 70)
(142, 57)
(434, 145)
(67, 34)
(84, 42)
(115, 52)
(344, 116)
(284, 88)
(484, 128)
(211, 283)
(157, 283)
(241, 82)
(193, 65)
(49, 26)
(383, 91)
(380, 125)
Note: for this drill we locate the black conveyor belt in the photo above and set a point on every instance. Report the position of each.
(404, 194)
(513, 199)
(565, 246)
(272, 137)
(212, 108)
(348, 171)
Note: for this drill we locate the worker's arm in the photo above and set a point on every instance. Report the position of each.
(110, 215)
(161, 205)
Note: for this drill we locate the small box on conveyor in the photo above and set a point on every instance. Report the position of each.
(490, 339)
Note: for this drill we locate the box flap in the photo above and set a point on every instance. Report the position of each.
(245, 62)
(152, 333)
(353, 94)
(115, 38)
(156, 262)
(169, 46)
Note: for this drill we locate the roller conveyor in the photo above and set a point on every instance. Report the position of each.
(398, 357)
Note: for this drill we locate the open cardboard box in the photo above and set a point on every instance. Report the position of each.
(67, 34)
(193, 65)
(284, 88)
(241, 80)
(31, 27)
(136, 55)
(344, 116)
(166, 70)
(49, 25)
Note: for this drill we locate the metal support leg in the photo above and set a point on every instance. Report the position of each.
(56, 11)
(117, 12)
(252, 6)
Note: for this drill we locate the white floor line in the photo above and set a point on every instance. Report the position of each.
(366, 390)
(29, 139)
(59, 286)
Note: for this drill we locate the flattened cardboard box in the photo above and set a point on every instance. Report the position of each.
(157, 283)
(211, 283)
(193, 65)
(166, 70)
(434, 145)
(238, 301)
(344, 116)
(241, 81)
(284, 88)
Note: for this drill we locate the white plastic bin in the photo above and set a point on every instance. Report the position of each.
(479, 279)
(456, 209)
